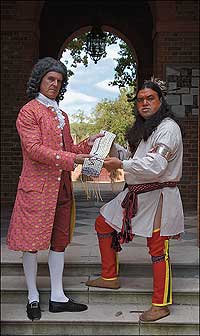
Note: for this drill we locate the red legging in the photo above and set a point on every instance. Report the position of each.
(159, 251)
(162, 275)
(108, 255)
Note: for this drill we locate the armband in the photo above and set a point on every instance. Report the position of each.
(163, 150)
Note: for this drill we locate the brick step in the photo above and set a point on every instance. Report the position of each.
(133, 290)
(91, 268)
(99, 319)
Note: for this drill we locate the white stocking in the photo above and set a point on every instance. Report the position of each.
(30, 271)
(56, 266)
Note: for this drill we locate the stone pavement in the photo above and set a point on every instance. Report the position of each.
(121, 308)
(84, 246)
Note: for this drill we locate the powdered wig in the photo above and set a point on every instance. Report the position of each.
(143, 128)
(41, 68)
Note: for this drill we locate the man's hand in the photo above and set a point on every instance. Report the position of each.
(79, 159)
(112, 163)
(92, 139)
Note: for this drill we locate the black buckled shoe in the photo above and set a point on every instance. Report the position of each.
(70, 306)
(33, 310)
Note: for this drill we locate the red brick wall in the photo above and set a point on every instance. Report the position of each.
(182, 48)
(175, 48)
(175, 41)
(187, 10)
(189, 182)
(18, 53)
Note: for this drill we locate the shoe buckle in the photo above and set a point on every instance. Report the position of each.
(34, 304)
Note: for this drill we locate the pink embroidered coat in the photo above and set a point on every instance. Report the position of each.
(44, 159)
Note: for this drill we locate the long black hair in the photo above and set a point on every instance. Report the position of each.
(40, 69)
(143, 128)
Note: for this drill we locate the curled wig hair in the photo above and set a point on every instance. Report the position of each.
(40, 69)
(143, 128)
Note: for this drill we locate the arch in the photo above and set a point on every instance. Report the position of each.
(104, 28)
(73, 36)
(132, 20)
(123, 37)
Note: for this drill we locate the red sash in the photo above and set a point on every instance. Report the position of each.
(130, 205)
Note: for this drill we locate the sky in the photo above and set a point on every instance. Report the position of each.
(89, 85)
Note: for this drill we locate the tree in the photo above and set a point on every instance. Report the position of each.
(80, 128)
(125, 70)
(114, 116)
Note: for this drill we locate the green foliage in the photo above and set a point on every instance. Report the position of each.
(80, 127)
(114, 116)
(125, 70)
(78, 51)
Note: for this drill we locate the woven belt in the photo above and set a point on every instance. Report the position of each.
(130, 205)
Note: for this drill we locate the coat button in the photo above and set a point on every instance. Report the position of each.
(59, 178)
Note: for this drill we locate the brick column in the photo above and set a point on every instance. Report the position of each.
(18, 54)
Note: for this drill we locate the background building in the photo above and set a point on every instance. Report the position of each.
(163, 36)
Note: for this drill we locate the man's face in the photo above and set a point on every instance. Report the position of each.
(148, 102)
(51, 84)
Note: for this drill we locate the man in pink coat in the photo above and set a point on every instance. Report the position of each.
(43, 211)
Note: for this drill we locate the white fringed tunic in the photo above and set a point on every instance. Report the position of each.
(145, 167)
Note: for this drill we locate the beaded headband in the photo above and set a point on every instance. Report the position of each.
(162, 85)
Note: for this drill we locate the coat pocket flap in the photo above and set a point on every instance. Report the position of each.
(31, 184)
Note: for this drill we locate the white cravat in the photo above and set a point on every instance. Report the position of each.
(53, 103)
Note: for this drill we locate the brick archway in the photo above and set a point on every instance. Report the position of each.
(105, 28)
(163, 34)
(75, 16)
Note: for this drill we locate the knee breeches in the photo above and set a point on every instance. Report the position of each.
(61, 228)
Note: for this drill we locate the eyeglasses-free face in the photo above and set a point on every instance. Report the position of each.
(147, 102)
(51, 84)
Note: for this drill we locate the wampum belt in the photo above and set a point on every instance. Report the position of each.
(100, 149)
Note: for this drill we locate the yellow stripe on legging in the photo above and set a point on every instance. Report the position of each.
(170, 301)
(117, 263)
(168, 278)
(160, 304)
(117, 268)
(109, 278)
(156, 230)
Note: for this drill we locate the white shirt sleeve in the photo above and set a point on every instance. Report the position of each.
(122, 153)
(169, 136)
(153, 165)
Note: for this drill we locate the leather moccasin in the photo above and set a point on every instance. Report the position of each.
(154, 313)
(102, 283)
(70, 306)
(33, 310)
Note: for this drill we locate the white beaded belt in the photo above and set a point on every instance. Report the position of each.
(100, 149)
